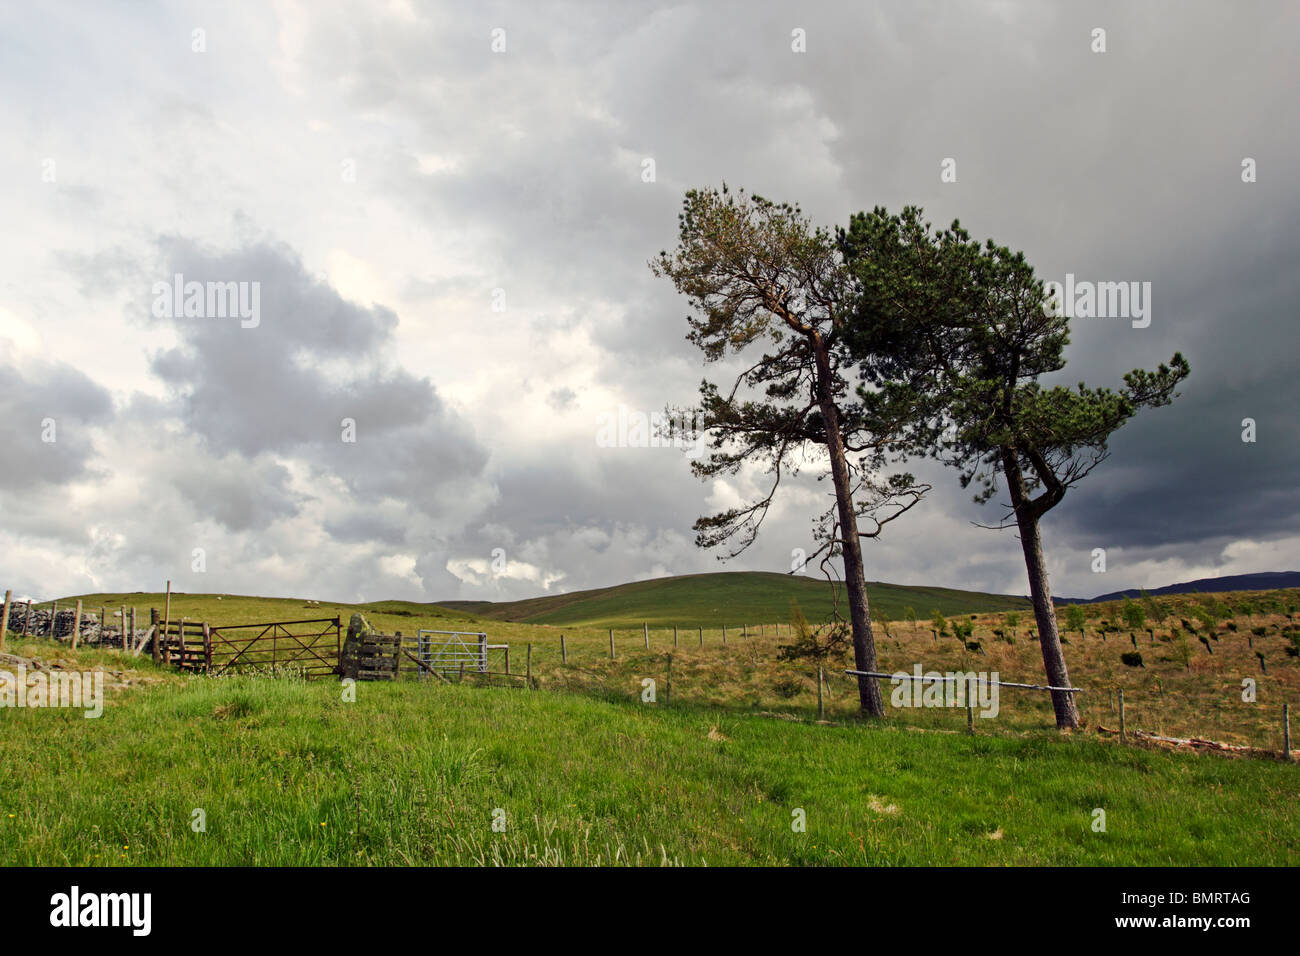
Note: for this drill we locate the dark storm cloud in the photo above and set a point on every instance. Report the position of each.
(1183, 475)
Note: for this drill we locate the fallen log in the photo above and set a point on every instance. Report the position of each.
(143, 641)
(425, 666)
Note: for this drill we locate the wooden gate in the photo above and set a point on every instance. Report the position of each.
(308, 647)
(185, 645)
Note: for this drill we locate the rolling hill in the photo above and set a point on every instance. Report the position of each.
(1259, 581)
(730, 598)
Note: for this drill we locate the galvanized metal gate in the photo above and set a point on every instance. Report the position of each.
(449, 651)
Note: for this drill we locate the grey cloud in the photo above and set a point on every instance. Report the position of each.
(75, 405)
(240, 494)
(1116, 166)
(263, 389)
(561, 398)
(367, 525)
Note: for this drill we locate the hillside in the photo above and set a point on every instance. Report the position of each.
(1190, 648)
(730, 598)
(1259, 581)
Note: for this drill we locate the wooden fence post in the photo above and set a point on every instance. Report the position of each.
(134, 627)
(528, 677)
(724, 635)
(1123, 735)
(668, 690)
(564, 651)
(207, 643)
(54, 616)
(821, 706)
(645, 633)
(507, 658)
(701, 637)
(611, 643)
(4, 619)
(167, 616)
(674, 635)
(180, 633)
(1286, 731)
(970, 715)
(76, 626)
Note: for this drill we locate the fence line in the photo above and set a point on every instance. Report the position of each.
(171, 636)
(998, 683)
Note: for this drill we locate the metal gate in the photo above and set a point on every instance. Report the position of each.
(309, 647)
(450, 651)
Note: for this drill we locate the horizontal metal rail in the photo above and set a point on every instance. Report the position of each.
(936, 677)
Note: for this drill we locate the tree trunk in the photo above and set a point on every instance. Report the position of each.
(864, 644)
(1040, 591)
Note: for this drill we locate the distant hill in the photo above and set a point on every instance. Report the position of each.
(1259, 581)
(726, 598)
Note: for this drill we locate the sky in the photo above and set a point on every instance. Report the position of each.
(446, 212)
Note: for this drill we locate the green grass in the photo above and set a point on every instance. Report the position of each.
(733, 598)
(411, 774)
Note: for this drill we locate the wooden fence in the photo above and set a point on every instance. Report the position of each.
(186, 645)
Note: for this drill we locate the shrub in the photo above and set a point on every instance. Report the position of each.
(938, 624)
(1132, 659)
(1135, 616)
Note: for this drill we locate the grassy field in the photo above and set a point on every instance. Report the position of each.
(587, 772)
(713, 600)
(286, 772)
(1182, 689)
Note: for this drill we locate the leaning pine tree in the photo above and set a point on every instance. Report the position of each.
(977, 315)
(767, 286)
